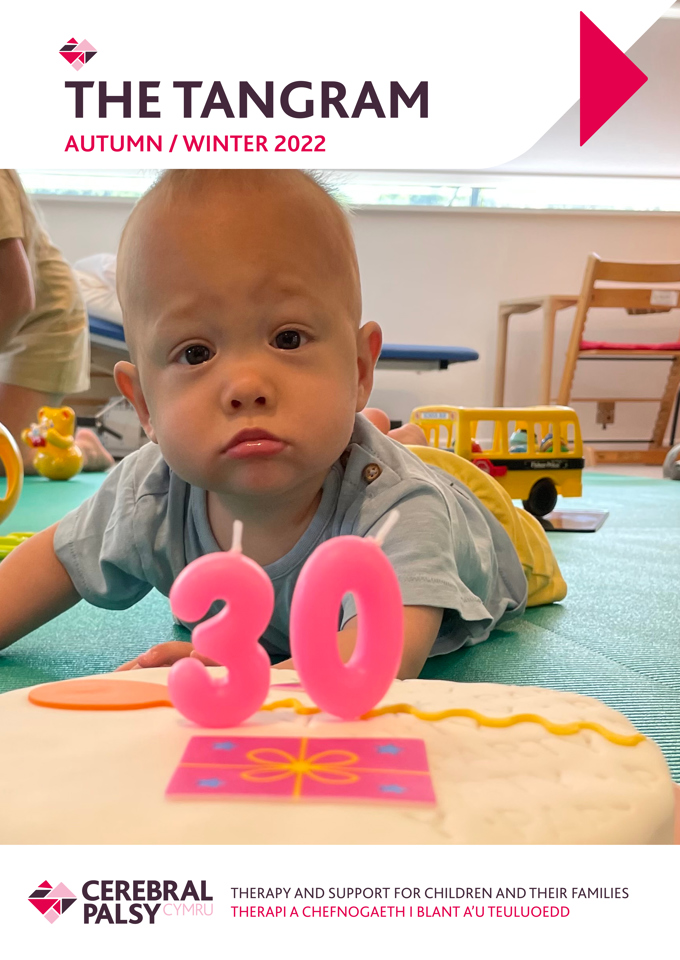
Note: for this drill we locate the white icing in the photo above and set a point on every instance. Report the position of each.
(99, 776)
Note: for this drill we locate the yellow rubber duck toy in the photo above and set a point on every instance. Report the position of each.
(57, 455)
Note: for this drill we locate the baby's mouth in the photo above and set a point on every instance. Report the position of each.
(253, 443)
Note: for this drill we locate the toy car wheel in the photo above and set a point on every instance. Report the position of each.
(542, 498)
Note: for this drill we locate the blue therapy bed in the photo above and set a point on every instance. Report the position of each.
(402, 356)
(408, 356)
(107, 334)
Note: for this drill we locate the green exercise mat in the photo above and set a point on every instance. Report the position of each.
(43, 502)
(615, 637)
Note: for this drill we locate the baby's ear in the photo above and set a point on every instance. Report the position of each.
(126, 376)
(369, 343)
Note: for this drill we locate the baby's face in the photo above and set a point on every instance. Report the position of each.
(243, 311)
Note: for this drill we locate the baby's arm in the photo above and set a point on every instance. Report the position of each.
(34, 587)
(421, 626)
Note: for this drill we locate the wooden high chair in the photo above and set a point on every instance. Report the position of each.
(635, 300)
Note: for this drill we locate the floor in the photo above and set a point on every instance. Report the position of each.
(627, 470)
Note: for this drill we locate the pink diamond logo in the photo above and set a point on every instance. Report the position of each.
(52, 901)
(77, 54)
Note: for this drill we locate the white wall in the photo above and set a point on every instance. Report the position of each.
(436, 277)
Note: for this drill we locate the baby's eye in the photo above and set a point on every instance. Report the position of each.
(289, 339)
(195, 354)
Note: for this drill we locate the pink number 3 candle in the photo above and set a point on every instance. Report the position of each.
(347, 565)
(231, 637)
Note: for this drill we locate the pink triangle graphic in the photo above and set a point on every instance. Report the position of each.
(85, 45)
(608, 78)
(61, 891)
(42, 905)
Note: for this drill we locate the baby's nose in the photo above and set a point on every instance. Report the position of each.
(258, 401)
(246, 389)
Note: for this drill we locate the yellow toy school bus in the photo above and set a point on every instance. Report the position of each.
(535, 452)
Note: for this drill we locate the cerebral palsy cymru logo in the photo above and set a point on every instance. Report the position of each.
(76, 53)
(52, 901)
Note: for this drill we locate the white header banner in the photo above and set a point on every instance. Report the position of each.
(454, 85)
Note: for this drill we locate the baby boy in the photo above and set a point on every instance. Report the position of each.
(249, 367)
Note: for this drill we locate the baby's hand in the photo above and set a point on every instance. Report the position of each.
(164, 655)
(409, 433)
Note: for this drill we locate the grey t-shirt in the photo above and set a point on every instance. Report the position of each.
(145, 524)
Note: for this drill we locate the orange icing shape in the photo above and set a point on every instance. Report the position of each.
(100, 694)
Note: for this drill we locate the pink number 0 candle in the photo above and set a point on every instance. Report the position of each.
(231, 637)
(339, 566)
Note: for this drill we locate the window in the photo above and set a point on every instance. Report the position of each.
(88, 183)
(418, 189)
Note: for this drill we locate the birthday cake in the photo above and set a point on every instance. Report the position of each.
(436, 762)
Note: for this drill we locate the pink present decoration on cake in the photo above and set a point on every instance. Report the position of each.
(304, 768)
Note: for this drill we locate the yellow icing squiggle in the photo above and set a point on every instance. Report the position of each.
(293, 704)
(560, 729)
